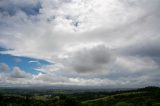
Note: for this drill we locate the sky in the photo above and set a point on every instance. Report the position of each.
(85, 43)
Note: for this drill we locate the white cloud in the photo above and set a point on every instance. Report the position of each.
(33, 61)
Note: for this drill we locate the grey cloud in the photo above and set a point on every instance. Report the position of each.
(92, 59)
(148, 48)
(151, 49)
(143, 41)
(50, 78)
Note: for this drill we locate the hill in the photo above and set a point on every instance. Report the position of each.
(149, 96)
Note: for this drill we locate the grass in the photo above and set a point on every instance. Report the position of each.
(112, 97)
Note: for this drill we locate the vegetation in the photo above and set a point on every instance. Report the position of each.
(149, 96)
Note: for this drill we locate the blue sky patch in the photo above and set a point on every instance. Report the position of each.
(12, 8)
(25, 63)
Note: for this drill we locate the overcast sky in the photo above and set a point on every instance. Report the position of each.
(92, 43)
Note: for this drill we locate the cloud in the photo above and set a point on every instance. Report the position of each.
(100, 42)
(33, 61)
(148, 48)
(18, 73)
(50, 79)
(18, 60)
(93, 59)
(4, 67)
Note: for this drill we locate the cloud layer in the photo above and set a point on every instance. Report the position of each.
(88, 42)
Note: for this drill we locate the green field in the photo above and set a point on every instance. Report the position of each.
(149, 96)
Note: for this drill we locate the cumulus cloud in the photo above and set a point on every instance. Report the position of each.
(18, 73)
(4, 67)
